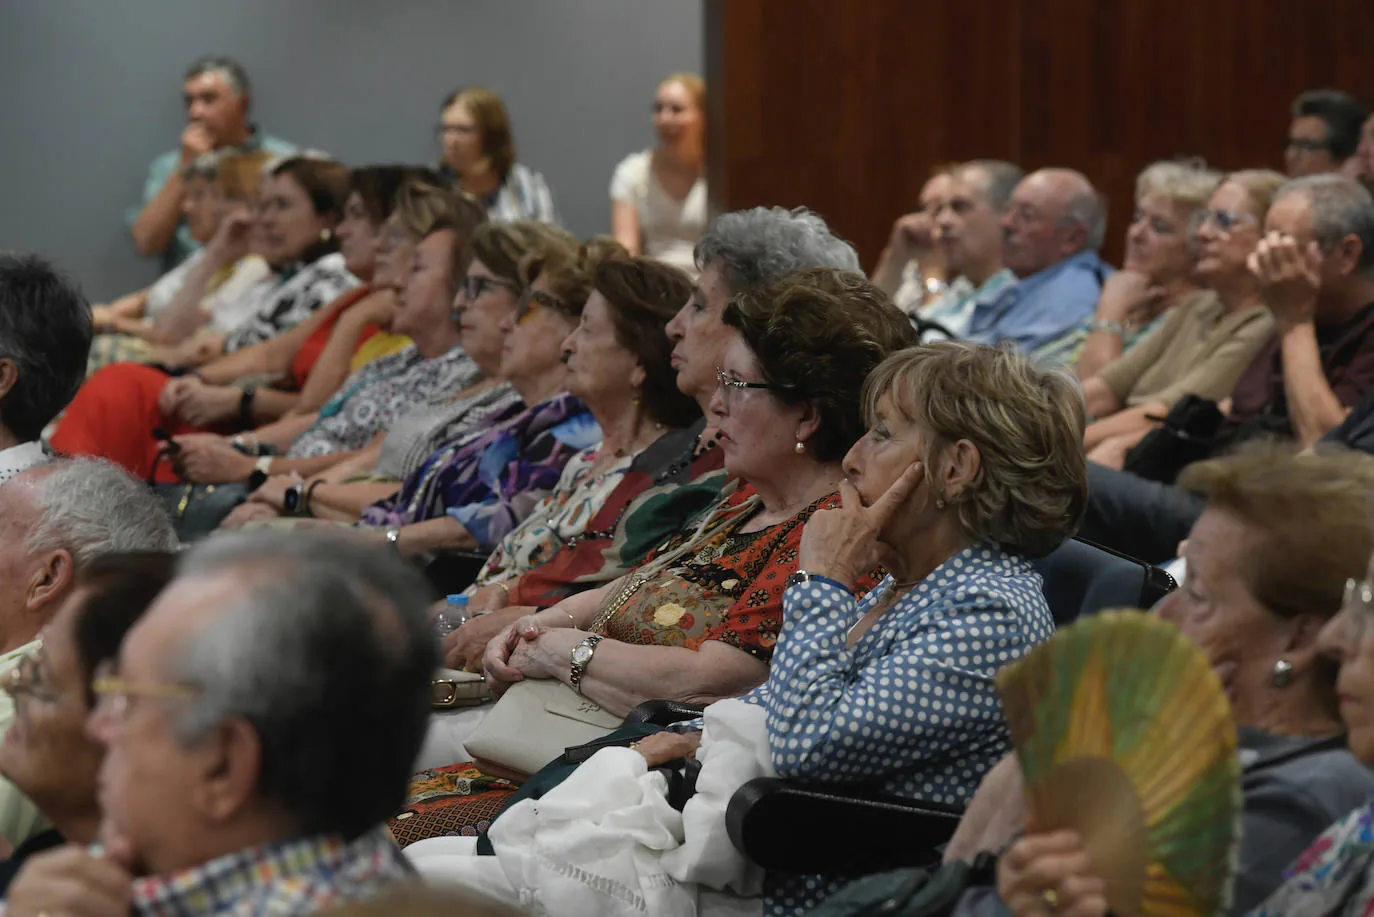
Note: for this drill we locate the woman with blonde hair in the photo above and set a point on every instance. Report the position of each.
(479, 157)
(1206, 342)
(658, 196)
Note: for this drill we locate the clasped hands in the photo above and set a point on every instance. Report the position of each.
(528, 649)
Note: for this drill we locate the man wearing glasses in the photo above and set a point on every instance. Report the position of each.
(53, 519)
(1324, 133)
(259, 729)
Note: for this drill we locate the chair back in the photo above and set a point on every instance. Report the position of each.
(1082, 578)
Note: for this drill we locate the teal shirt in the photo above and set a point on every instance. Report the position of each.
(162, 168)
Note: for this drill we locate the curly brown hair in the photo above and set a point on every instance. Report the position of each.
(817, 334)
(643, 295)
(1027, 425)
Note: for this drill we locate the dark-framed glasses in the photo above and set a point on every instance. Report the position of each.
(474, 286)
(532, 300)
(729, 386)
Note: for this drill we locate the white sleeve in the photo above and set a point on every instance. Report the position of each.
(628, 182)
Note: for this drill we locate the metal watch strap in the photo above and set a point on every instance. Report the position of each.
(578, 669)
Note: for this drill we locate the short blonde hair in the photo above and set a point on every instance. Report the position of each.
(503, 246)
(1184, 184)
(695, 86)
(1026, 423)
(1261, 184)
(424, 208)
(1309, 516)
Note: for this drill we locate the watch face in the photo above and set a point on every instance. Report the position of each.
(582, 654)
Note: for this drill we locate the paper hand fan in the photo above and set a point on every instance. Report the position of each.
(1125, 735)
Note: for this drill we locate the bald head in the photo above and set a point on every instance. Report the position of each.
(1052, 214)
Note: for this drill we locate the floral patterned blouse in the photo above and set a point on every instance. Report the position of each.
(726, 584)
(372, 398)
(666, 487)
(1334, 877)
(491, 483)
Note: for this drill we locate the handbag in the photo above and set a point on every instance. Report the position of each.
(910, 892)
(532, 724)
(1186, 435)
(452, 688)
(195, 510)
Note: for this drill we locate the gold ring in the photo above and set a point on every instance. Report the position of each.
(634, 744)
(1051, 899)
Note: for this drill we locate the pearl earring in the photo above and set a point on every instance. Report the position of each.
(1283, 673)
(325, 235)
(940, 503)
(799, 448)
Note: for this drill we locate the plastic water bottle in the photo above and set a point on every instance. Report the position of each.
(451, 618)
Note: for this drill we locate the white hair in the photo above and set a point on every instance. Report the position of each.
(90, 507)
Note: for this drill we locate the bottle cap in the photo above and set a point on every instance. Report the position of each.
(458, 599)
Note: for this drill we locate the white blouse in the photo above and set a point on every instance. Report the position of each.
(668, 227)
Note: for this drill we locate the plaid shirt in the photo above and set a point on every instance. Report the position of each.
(296, 877)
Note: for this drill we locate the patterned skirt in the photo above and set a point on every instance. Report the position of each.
(458, 800)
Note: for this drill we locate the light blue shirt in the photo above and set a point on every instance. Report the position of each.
(1042, 307)
(162, 168)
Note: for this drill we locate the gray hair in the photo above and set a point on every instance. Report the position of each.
(1184, 183)
(765, 244)
(206, 166)
(89, 507)
(1340, 207)
(226, 68)
(1088, 210)
(1002, 179)
(328, 655)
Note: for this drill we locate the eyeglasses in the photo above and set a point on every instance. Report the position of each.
(531, 298)
(474, 286)
(1307, 145)
(114, 693)
(728, 385)
(1225, 220)
(26, 677)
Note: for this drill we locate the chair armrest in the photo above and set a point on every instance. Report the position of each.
(662, 713)
(776, 824)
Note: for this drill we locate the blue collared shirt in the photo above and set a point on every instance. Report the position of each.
(167, 163)
(1041, 307)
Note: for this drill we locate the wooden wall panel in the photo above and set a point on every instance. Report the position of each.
(846, 105)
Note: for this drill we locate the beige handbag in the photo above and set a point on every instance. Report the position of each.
(532, 723)
(454, 688)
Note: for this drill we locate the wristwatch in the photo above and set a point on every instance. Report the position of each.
(581, 658)
(291, 503)
(262, 469)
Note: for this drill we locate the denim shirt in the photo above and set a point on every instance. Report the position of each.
(1042, 307)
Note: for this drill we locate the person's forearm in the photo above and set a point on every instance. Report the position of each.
(130, 305)
(887, 274)
(156, 224)
(1099, 349)
(282, 433)
(334, 364)
(434, 535)
(1099, 398)
(622, 676)
(183, 316)
(1131, 421)
(625, 225)
(361, 462)
(346, 502)
(1313, 407)
(270, 404)
(307, 467)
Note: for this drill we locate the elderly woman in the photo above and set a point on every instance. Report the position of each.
(46, 752)
(479, 156)
(1204, 344)
(218, 183)
(665, 488)
(1268, 564)
(316, 356)
(434, 367)
(1157, 273)
(301, 203)
(658, 196)
(699, 620)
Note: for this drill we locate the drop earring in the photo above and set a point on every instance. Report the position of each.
(1283, 673)
(799, 448)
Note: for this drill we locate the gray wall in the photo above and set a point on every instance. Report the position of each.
(92, 92)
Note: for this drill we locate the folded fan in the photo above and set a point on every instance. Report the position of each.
(1124, 734)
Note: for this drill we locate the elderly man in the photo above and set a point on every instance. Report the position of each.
(1316, 271)
(1324, 132)
(53, 519)
(259, 729)
(968, 225)
(217, 98)
(45, 335)
(1053, 227)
